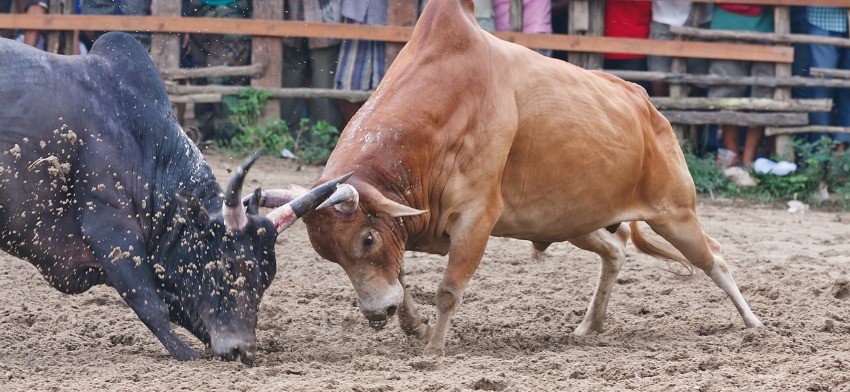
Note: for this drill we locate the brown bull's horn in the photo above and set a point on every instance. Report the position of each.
(235, 217)
(345, 200)
(287, 214)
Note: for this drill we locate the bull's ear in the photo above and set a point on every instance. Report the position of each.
(254, 202)
(192, 208)
(396, 210)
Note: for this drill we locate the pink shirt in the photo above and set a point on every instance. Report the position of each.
(536, 18)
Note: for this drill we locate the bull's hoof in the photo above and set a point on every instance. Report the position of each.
(585, 329)
(421, 331)
(185, 354)
(434, 351)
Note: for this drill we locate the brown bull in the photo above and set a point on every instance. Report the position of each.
(468, 136)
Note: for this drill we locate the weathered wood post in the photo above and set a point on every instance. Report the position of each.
(782, 25)
(400, 13)
(269, 52)
(165, 47)
(587, 17)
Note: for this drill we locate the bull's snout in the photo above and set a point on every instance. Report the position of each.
(380, 309)
(232, 347)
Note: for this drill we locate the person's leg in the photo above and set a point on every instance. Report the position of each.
(731, 141)
(755, 134)
(660, 31)
(821, 56)
(324, 62)
(295, 61)
(731, 135)
(842, 101)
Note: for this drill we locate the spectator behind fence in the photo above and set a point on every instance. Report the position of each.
(219, 50)
(627, 19)
(32, 7)
(314, 60)
(361, 63)
(484, 14)
(115, 7)
(664, 15)
(524, 16)
(830, 22)
(750, 18)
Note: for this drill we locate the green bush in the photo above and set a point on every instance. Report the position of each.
(817, 163)
(311, 143)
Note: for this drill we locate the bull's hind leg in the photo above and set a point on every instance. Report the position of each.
(685, 233)
(611, 248)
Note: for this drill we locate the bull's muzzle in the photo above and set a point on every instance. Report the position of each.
(379, 309)
(231, 347)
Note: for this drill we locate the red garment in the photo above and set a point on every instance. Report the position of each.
(628, 19)
(741, 9)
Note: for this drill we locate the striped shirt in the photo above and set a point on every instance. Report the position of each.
(832, 19)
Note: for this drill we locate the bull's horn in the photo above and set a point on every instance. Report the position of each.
(345, 200)
(395, 209)
(235, 217)
(274, 198)
(287, 214)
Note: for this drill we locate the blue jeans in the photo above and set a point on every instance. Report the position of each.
(825, 56)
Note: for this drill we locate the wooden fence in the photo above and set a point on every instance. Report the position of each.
(584, 43)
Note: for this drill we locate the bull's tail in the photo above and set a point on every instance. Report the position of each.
(656, 248)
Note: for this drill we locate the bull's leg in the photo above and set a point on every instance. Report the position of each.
(611, 248)
(408, 316)
(686, 234)
(469, 238)
(116, 244)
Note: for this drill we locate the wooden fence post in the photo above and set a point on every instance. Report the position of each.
(165, 47)
(401, 13)
(269, 52)
(782, 25)
(587, 17)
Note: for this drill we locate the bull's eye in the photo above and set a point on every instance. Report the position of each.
(368, 241)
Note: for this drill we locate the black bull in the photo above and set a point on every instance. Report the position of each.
(98, 184)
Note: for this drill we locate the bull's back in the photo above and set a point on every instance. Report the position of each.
(587, 148)
(44, 112)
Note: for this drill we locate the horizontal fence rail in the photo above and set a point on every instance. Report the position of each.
(273, 28)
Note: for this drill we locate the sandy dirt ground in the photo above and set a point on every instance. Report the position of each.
(664, 332)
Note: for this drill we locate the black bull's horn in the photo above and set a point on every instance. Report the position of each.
(287, 214)
(235, 217)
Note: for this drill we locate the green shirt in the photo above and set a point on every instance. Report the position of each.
(723, 20)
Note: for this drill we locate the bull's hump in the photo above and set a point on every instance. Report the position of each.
(445, 24)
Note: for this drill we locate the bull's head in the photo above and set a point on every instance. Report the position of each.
(364, 235)
(223, 262)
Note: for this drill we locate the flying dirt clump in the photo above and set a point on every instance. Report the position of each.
(56, 168)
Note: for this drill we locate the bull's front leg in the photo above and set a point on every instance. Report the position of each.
(469, 238)
(120, 251)
(408, 316)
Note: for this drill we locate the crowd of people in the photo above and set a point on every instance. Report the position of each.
(360, 65)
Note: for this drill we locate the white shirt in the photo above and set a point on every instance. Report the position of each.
(673, 13)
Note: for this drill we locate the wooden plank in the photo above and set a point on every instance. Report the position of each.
(267, 51)
(712, 80)
(401, 13)
(834, 3)
(770, 131)
(195, 98)
(165, 47)
(830, 73)
(275, 92)
(735, 118)
(54, 37)
(753, 36)
(757, 104)
(274, 28)
(252, 70)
